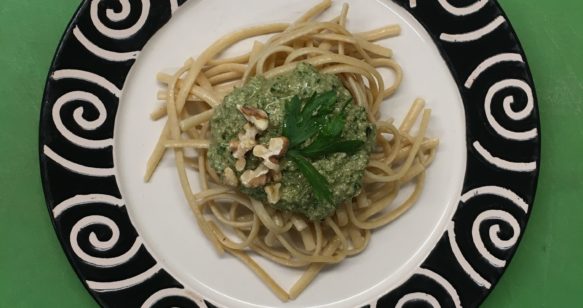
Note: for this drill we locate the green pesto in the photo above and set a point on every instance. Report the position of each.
(343, 172)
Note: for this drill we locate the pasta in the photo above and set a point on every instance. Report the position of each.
(242, 226)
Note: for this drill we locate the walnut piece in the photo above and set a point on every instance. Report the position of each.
(244, 144)
(256, 116)
(276, 148)
(255, 178)
(272, 192)
(230, 177)
(240, 164)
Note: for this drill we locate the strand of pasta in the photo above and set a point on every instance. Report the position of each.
(179, 157)
(159, 149)
(313, 270)
(260, 272)
(412, 153)
(380, 33)
(187, 143)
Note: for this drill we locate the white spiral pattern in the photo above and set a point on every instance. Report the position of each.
(75, 167)
(113, 286)
(454, 10)
(488, 63)
(428, 298)
(494, 234)
(418, 296)
(80, 120)
(87, 76)
(123, 14)
(461, 11)
(473, 35)
(165, 293)
(514, 115)
(463, 262)
(503, 163)
(101, 245)
(101, 52)
(95, 220)
(85, 199)
(446, 285)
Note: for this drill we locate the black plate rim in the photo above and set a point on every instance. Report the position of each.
(162, 278)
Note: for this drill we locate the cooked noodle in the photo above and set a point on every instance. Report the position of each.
(239, 225)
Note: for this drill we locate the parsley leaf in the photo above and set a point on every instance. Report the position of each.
(323, 146)
(295, 126)
(329, 140)
(303, 122)
(319, 184)
(334, 127)
(315, 120)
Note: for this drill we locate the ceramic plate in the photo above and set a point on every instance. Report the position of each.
(136, 244)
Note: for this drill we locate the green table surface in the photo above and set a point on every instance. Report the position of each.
(546, 272)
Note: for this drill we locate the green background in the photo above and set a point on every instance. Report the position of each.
(547, 270)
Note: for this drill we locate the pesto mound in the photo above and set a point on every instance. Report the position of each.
(343, 171)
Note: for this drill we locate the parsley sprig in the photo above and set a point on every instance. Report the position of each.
(315, 130)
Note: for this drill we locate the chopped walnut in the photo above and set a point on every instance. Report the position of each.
(276, 148)
(256, 116)
(234, 145)
(230, 177)
(272, 192)
(240, 164)
(255, 178)
(244, 144)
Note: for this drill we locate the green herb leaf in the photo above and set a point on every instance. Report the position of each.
(309, 108)
(295, 127)
(301, 123)
(319, 184)
(324, 146)
(319, 105)
(327, 103)
(334, 127)
(292, 112)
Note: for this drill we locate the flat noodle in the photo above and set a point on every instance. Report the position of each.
(381, 33)
(312, 271)
(260, 272)
(399, 159)
(376, 49)
(187, 143)
(342, 22)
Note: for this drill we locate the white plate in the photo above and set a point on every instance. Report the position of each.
(162, 217)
